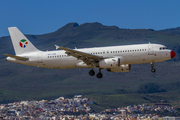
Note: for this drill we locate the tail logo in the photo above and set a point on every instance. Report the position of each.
(23, 43)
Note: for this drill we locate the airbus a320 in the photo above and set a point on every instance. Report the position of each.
(113, 58)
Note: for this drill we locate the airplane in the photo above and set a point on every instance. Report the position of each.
(112, 58)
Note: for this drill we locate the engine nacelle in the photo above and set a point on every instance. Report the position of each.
(109, 63)
(122, 68)
(82, 65)
(114, 62)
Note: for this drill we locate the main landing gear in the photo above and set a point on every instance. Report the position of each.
(92, 73)
(152, 66)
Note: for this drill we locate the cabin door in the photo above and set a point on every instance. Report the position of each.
(39, 57)
(150, 49)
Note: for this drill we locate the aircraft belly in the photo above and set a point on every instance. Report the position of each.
(67, 63)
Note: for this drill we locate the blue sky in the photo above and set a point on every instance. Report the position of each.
(44, 16)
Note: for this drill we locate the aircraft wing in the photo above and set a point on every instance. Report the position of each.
(16, 57)
(86, 57)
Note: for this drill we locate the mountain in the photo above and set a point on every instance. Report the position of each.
(20, 82)
(172, 30)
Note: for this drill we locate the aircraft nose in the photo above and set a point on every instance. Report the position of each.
(173, 54)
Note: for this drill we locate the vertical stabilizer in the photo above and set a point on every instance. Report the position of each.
(20, 43)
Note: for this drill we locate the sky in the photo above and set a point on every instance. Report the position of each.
(45, 16)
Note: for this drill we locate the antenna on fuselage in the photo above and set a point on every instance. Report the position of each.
(149, 43)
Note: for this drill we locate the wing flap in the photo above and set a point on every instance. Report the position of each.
(86, 57)
(17, 57)
(79, 53)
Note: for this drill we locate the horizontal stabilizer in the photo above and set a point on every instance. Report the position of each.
(17, 57)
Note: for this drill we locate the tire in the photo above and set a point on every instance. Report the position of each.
(91, 73)
(99, 75)
(153, 70)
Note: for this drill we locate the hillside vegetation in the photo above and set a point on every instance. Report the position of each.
(20, 82)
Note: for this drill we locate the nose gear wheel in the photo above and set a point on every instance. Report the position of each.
(152, 66)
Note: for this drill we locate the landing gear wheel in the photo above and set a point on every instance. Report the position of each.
(91, 72)
(99, 75)
(152, 66)
(153, 70)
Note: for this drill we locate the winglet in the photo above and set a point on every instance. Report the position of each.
(57, 47)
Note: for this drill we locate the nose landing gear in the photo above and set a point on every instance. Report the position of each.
(152, 66)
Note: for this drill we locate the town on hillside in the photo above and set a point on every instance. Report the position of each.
(78, 108)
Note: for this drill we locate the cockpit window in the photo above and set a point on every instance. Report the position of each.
(163, 48)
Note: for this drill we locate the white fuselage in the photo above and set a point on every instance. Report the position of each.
(131, 54)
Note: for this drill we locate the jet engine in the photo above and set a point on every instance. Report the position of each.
(112, 62)
(122, 68)
(109, 63)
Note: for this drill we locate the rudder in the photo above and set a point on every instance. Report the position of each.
(20, 43)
